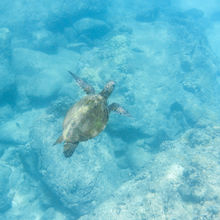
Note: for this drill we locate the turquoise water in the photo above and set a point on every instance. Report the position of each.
(160, 163)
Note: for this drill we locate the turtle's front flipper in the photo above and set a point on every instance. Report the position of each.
(117, 108)
(86, 87)
(69, 148)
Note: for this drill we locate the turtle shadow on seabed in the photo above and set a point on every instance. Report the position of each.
(130, 135)
(127, 134)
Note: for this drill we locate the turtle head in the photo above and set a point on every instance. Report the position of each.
(109, 87)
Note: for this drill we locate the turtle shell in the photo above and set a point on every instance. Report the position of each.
(85, 119)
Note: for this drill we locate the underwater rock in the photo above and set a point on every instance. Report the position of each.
(41, 76)
(59, 107)
(148, 16)
(51, 213)
(91, 28)
(7, 86)
(5, 45)
(7, 79)
(194, 13)
(23, 195)
(81, 182)
(16, 131)
(69, 12)
(174, 183)
(5, 113)
(55, 14)
(5, 202)
(46, 41)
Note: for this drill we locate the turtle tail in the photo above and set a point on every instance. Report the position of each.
(69, 148)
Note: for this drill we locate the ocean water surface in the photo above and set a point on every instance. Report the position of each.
(162, 162)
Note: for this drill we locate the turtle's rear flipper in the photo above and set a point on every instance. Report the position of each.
(86, 87)
(117, 108)
(59, 140)
(69, 148)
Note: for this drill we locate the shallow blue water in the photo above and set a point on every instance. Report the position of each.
(160, 163)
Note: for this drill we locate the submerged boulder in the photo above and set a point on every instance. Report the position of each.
(91, 28)
(182, 187)
(5, 202)
(41, 76)
(5, 45)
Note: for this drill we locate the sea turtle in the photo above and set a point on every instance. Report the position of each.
(88, 117)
